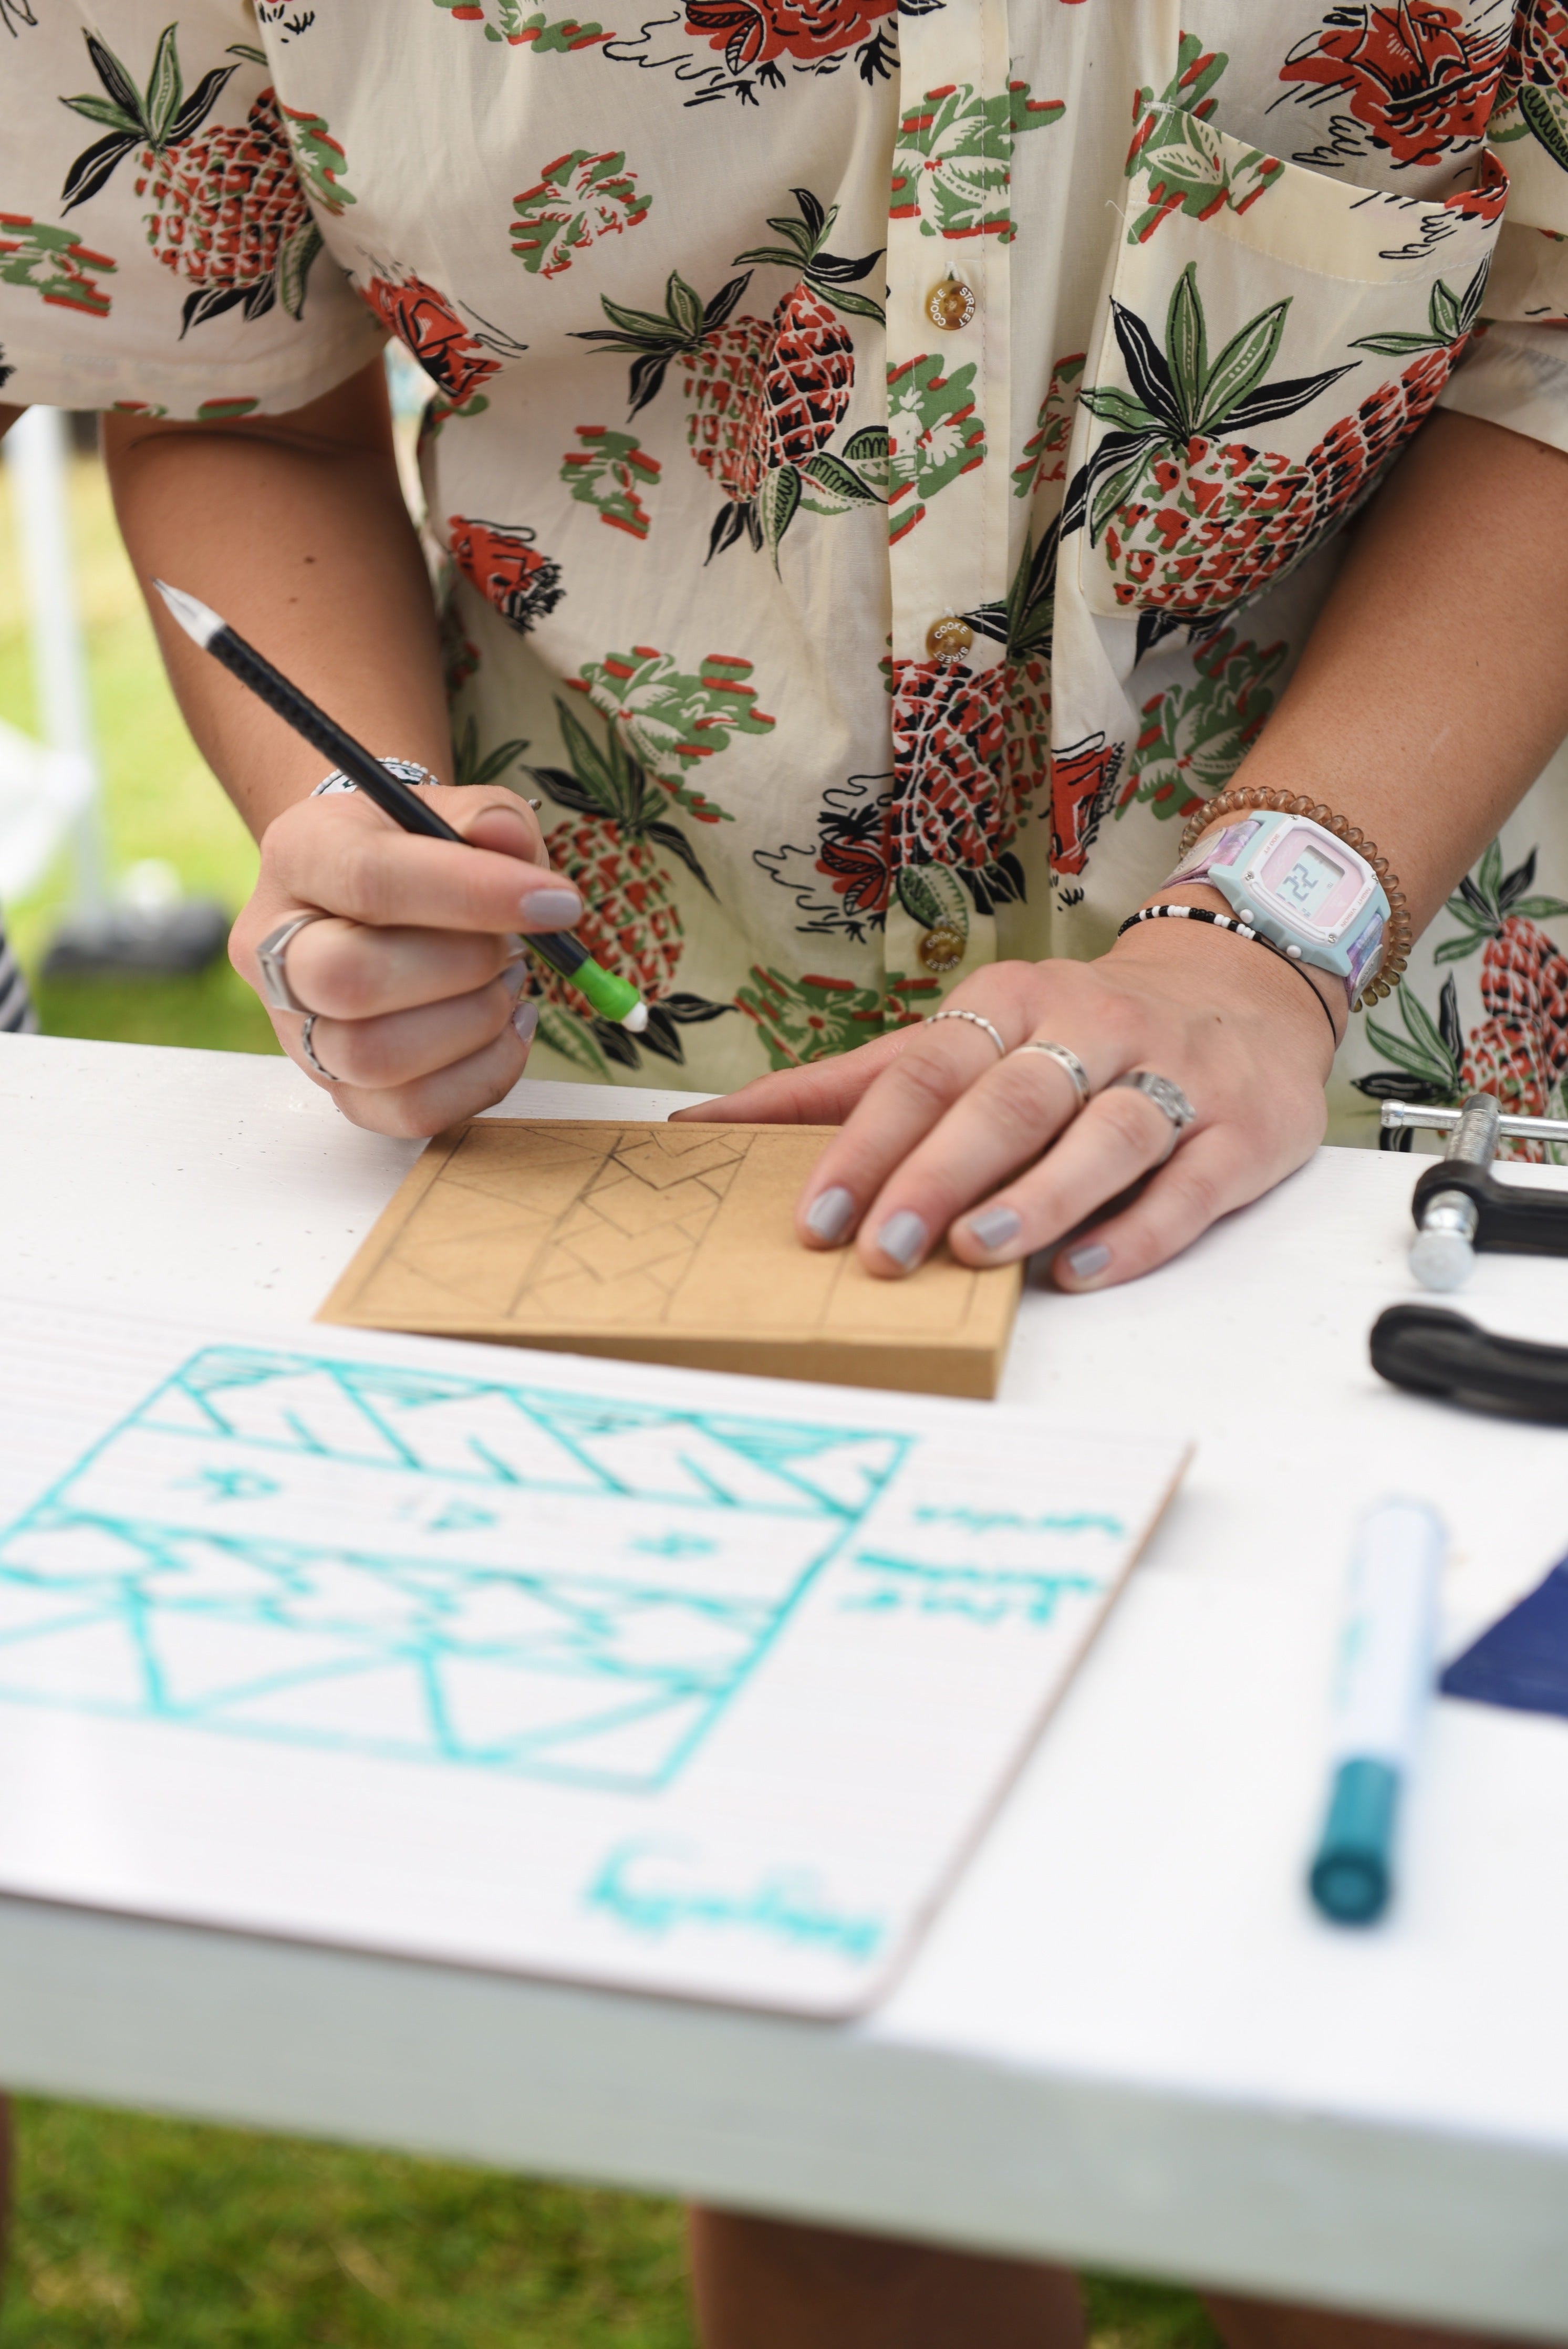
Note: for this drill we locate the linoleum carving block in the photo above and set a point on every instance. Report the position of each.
(661, 1244)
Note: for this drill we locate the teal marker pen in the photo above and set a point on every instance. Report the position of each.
(1387, 1658)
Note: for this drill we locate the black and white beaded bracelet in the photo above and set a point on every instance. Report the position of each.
(407, 770)
(1242, 930)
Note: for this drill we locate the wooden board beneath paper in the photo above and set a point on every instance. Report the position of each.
(661, 1244)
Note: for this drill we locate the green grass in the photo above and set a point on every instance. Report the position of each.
(132, 2232)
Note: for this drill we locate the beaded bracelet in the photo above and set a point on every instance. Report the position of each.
(1250, 799)
(1228, 922)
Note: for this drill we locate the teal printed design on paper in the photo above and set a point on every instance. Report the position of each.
(785, 1906)
(397, 1563)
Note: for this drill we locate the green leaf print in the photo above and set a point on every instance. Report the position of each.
(933, 896)
(578, 199)
(936, 435)
(952, 161)
(612, 472)
(670, 720)
(1196, 735)
(808, 1018)
(52, 261)
(1045, 451)
(1545, 114)
(320, 158)
(506, 20)
(1188, 171)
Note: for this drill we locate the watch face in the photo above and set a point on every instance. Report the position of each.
(1309, 884)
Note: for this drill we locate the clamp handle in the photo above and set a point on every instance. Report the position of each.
(1434, 1351)
(1524, 1221)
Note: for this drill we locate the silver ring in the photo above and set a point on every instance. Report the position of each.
(975, 1020)
(274, 971)
(1064, 1059)
(307, 1047)
(1168, 1098)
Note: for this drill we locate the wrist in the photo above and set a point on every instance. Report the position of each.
(1236, 966)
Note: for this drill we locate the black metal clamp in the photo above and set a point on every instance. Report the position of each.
(1460, 1206)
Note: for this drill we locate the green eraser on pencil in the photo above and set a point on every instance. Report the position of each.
(612, 998)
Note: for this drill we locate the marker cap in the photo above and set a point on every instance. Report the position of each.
(613, 998)
(1352, 1873)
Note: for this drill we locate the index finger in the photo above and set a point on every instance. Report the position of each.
(342, 856)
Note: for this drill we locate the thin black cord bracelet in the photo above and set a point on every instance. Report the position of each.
(1228, 922)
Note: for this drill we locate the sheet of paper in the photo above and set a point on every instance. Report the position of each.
(662, 1243)
(678, 1683)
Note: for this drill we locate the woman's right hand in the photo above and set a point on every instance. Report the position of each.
(417, 976)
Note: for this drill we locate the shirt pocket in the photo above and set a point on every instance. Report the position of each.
(1272, 339)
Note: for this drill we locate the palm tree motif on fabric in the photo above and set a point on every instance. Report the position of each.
(502, 562)
(577, 199)
(952, 161)
(672, 720)
(56, 264)
(816, 1018)
(616, 855)
(1190, 168)
(612, 472)
(1415, 81)
(764, 395)
(514, 23)
(1532, 98)
(1195, 735)
(228, 210)
(850, 856)
(1520, 1049)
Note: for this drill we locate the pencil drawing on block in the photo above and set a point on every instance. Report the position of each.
(675, 1242)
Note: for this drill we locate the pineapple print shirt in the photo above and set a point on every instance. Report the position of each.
(887, 454)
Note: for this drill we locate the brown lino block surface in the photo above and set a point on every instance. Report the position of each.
(661, 1244)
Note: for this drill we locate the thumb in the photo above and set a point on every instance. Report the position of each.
(498, 819)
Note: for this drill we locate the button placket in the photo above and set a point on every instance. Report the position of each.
(949, 421)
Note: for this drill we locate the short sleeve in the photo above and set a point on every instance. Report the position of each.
(160, 245)
(1516, 371)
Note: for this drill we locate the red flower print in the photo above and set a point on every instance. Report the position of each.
(1418, 79)
(507, 569)
(429, 327)
(754, 32)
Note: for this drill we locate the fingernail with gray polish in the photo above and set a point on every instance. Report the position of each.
(525, 1018)
(830, 1215)
(996, 1227)
(1084, 1262)
(902, 1237)
(552, 909)
(513, 975)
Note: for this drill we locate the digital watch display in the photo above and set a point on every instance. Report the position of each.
(1300, 888)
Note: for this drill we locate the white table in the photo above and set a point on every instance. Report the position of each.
(1127, 2040)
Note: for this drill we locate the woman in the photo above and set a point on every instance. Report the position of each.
(888, 464)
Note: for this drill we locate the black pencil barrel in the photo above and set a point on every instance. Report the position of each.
(389, 792)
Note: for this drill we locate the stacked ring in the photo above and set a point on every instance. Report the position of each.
(975, 1020)
(1065, 1058)
(307, 1046)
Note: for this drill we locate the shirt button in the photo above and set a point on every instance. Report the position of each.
(951, 304)
(941, 949)
(949, 639)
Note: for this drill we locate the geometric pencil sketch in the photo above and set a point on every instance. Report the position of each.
(670, 1243)
(515, 1577)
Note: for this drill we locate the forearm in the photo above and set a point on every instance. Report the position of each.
(294, 527)
(1434, 685)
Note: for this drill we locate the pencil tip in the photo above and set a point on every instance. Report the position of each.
(200, 622)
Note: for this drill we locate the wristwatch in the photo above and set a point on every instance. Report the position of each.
(1299, 887)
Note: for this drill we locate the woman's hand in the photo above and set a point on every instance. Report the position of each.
(941, 1136)
(416, 980)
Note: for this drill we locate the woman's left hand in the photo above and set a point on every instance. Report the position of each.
(943, 1137)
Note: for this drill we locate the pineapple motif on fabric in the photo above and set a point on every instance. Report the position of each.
(227, 212)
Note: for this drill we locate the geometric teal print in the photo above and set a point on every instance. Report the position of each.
(402, 1564)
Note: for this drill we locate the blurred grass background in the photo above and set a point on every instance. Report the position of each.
(136, 2232)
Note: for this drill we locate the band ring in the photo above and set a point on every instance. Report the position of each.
(975, 1019)
(1065, 1058)
(307, 1046)
(1167, 1097)
(270, 956)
